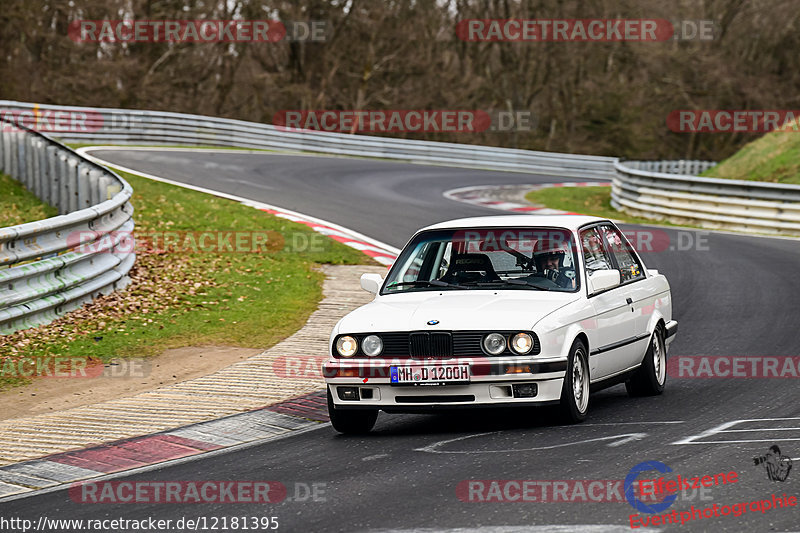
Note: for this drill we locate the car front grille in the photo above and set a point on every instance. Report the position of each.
(468, 343)
(427, 345)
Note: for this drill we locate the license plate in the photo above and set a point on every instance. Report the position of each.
(429, 374)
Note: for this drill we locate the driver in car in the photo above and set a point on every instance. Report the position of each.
(549, 257)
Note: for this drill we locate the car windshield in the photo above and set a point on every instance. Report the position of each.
(486, 258)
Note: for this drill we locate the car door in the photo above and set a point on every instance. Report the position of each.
(615, 323)
(637, 288)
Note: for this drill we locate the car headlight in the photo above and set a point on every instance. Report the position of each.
(346, 346)
(522, 343)
(372, 345)
(494, 343)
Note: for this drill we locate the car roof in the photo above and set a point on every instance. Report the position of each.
(572, 222)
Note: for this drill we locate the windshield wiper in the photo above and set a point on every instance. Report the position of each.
(505, 282)
(422, 283)
(526, 283)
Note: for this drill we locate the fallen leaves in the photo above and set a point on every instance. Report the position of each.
(160, 283)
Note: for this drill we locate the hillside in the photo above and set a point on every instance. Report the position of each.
(774, 157)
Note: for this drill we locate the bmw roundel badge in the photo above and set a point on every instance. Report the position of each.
(432, 322)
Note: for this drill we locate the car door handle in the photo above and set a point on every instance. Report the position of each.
(630, 301)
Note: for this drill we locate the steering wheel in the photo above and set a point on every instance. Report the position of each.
(562, 277)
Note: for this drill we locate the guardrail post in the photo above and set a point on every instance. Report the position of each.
(13, 169)
(22, 159)
(19, 171)
(72, 184)
(63, 185)
(103, 185)
(6, 148)
(51, 186)
(44, 174)
(35, 175)
(95, 176)
(112, 189)
(84, 186)
(29, 163)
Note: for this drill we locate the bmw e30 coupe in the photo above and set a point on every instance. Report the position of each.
(505, 311)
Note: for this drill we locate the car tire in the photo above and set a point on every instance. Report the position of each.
(575, 392)
(651, 377)
(351, 421)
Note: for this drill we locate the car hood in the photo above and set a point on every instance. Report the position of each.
(455, 310)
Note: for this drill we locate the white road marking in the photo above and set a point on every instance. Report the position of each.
(633, 437)
(724, 428)
(374, 457)
(631, 423)
(434, 448)
(758, 429)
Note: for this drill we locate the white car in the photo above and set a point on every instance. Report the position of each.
(505, 311)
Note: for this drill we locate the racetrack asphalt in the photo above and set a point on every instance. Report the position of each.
(734, 295)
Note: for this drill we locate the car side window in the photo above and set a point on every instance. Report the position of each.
(594, 254)
(629, 267)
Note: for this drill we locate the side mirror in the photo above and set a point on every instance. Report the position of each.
(371, 282)
(601, 280)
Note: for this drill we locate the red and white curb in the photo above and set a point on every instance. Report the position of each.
(254, 427)
(379, 251)
(492, 196)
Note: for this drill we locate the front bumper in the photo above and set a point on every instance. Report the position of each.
(489, 386)
(672, 331)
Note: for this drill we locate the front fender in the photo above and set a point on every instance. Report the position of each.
(558, 331)
(654, 320)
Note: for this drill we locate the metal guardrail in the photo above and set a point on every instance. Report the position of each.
(124, 126)
(50, 267)
(679, 166)
(747, 206)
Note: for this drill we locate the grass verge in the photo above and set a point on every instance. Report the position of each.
(18, 205)
(191, 299)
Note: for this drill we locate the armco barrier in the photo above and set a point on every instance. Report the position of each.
(44, 272)
(679, 166)
(748, 206)
(124, 126)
